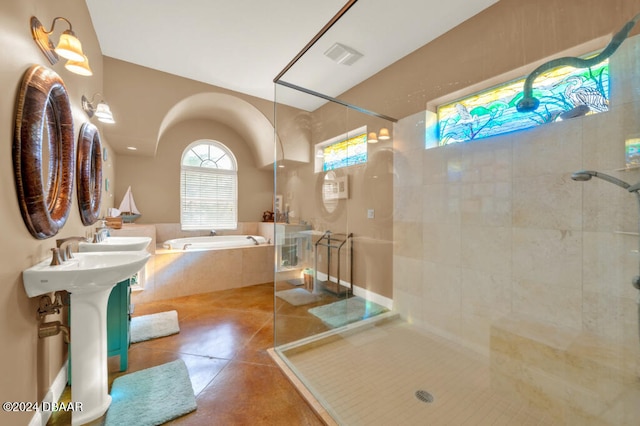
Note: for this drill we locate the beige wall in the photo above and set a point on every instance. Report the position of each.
(497, 248)
(509, 35)
(147, 175)
(143, 100)
(497, 228)
(29, 364)
(370, 188)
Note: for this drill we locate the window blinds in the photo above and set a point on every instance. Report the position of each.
(208, 198)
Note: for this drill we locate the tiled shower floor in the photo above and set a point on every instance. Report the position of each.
(371, 377)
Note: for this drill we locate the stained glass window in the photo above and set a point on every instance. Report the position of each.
(344, 151)
(562, 92)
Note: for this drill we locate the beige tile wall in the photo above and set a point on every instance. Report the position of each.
(496, 230)
(175, 273)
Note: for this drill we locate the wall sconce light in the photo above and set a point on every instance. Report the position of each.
(383, 135)
(372, 137)
(101, 110)
(69, 47)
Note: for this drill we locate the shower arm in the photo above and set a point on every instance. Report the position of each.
(584, 175)
(528, 103)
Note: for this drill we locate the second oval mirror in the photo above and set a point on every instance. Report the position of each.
(89, 173)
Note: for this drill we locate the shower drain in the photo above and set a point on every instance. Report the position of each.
(424, 396)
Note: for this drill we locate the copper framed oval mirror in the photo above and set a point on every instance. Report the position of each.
(43, 152)
(89, 173)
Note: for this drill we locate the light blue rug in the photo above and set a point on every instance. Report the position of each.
(298, 296)
(147, 327)
(347, 311)
(151, 397)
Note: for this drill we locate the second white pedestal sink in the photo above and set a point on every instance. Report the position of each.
(89, 278)
(116, 244)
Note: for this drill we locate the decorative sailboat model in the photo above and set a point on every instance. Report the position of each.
(128, 210)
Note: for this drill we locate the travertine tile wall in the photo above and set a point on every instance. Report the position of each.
(176, 273)
(497, 227)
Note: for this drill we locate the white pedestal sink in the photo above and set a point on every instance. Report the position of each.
(89, 278)
(116, 244)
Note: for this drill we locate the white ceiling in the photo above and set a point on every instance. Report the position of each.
(243, 45)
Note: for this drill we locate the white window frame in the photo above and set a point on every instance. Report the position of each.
(209, 176)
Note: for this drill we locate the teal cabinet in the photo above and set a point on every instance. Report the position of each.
(118, 320)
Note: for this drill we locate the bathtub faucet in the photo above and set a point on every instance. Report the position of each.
(250, 237)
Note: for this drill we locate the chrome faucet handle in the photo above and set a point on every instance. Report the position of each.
(101, 234)
(98, 237)
(68, 254)
(55, 257)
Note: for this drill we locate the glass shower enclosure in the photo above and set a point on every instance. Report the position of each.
(419, 282)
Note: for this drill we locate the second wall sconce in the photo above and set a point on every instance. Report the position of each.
(69, 47)
(383, 135)
(100, 110)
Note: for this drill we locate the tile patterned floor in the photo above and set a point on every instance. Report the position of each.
(223, 340)
(370, 378)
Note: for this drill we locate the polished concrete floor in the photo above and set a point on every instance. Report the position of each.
(223, 341)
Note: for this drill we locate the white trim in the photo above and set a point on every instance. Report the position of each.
(361, 292)
(345, 328)
(40, 418)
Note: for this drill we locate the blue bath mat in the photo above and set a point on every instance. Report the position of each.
(347, 311)
(147, 327)
(151, 397)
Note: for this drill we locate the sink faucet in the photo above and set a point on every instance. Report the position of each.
(63, 250)
(101, 234)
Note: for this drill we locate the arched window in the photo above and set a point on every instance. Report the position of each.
(208, 187)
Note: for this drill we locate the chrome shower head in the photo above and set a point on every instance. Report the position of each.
(584, 175)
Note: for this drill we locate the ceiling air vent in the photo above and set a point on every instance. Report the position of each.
(342, 54)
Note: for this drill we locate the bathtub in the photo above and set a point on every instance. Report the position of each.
(215, 242)
(205, 265)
